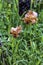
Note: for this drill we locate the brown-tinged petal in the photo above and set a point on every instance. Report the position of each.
(30, 16)
(15, 31)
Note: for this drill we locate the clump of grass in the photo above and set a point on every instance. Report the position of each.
(26, 49)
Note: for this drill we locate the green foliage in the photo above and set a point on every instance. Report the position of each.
(27, 49)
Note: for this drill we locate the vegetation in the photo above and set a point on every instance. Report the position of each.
(27, 49)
